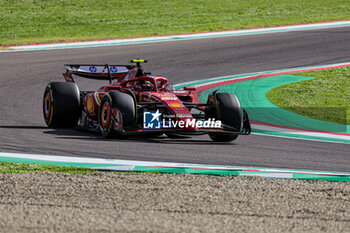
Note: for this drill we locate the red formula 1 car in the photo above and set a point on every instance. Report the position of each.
(137, 103)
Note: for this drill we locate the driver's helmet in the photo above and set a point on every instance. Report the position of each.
(146, 86)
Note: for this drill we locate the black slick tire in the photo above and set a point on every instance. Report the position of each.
(117, 111)
(227, 109)
(61, 105)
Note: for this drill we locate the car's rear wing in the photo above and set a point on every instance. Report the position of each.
(99, 72)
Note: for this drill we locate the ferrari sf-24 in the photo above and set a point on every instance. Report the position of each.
(137, 103)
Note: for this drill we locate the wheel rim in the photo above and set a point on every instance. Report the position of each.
(105, 115)
(47, 105)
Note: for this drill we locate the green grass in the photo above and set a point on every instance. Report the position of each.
(38, 21)
(325, 98)
(25, 168)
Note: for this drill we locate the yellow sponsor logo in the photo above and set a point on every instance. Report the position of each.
(90, 105)
(176, 105)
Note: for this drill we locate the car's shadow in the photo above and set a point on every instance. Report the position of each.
(77, 134)
(162, 139)
(21, 127)
(74, 134)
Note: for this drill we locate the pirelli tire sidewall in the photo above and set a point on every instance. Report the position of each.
(61, 105)
(116, 105)
(228, 110)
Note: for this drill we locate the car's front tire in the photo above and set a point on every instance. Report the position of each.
(117, 111)
(227, 108)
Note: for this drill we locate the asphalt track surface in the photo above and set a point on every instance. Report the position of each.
(24, 76)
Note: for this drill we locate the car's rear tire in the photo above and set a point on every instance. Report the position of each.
(117, 111)
(226, 108)
(61, 105)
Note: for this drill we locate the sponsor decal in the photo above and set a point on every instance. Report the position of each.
(168, 98)
(93, 69)
(90, 105)
(113, 69)
(176, 105)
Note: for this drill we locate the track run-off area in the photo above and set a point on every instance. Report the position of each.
(267, 118)
(247, 65)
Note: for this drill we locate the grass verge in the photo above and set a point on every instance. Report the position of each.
(6, 167)
(42, 21)
(327, 97)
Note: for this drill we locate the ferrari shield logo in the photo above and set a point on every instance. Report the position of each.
(151, 120)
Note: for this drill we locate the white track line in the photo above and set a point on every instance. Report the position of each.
(178, 37)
